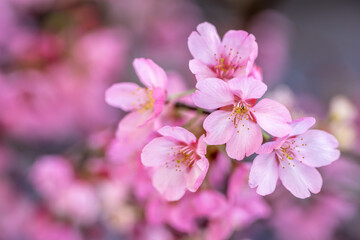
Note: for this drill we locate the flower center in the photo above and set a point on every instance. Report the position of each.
(240, 112)
(182, 158)
(290, 151)
(145, 100)
(227, 64)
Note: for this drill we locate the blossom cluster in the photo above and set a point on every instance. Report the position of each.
(229, 85)
(199, 143)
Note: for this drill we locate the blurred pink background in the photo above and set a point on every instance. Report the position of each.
(63, 176)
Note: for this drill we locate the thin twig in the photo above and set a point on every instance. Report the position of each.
(189, 107)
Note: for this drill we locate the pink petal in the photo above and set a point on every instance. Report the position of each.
(299, 179)
(271, 146)
(158, 105)
(197, 174)
(210, 203)
(249, 66)
(246, 139)
(317, 148)
(219, 127)
(178, 133)
(264, 174)
(201, 70)
(247, 88)
(125, 95)
(273, 117)
(212, 93)
(201, 146)
(170, 183)
(220, 228)
(132, 126)
(176, 83)
(155, 211)
(120, 152)
(242, 44)
(158, 151)
(247, 205)
(240, 41)
(199, 50)
(237, 181)
(256, 72)
(220, 169)
(204, 43)
(301, 125)
(159, 96)
(181, 215)
(149, 73)
(209, 34)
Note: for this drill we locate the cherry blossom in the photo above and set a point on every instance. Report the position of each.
(79, 202)
(179, 159)
(294, 159)
(144, 103)
(169, 169)
(234, 56)
(239, 119)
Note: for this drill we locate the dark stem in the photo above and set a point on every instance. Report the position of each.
(189, 107)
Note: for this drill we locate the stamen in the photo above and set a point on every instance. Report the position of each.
(240, 112)
(183, 157)
(145, 100)
(227, 64)
(290, 151)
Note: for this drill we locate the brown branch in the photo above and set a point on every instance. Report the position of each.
(189, 107)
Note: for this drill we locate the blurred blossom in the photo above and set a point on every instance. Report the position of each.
(317, 221)
(35, 49)
(149, 232)
(28, 102)
(244, 207)
(220, 169)
(342, 109)
(185, 215)
(299, 105)
(102, 53)
(48, 72)
(78, 202)
(99, 139)
(42, 227)
(51, 175)
(125, 147)
(15, 211)
(283, 94)
(343, 114)
(8, 23)
(249, 205)
(320, 216)
(120, 214)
